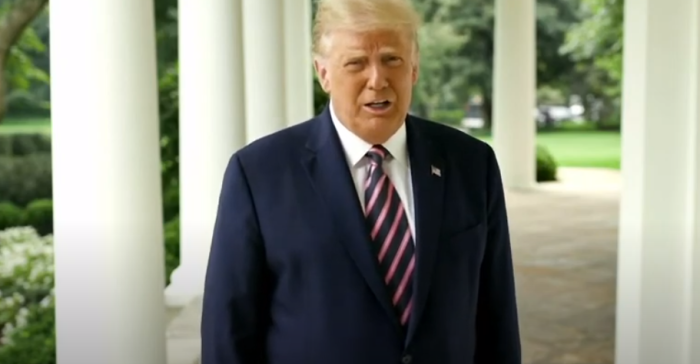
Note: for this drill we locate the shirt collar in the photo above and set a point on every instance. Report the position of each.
(356, 148)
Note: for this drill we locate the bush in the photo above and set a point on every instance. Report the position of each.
(27, 144)
(19, 145)
(10, 215)
(39, 215)
(27, 334)
(546, 165)
(5, 145)
(172, 247)
(25, 178)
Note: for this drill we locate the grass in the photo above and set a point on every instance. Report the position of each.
(570, 148)
(25, 125)
(600, 149)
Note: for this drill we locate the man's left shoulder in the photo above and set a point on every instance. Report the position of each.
(451, 140)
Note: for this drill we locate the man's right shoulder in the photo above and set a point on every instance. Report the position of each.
(278, 147)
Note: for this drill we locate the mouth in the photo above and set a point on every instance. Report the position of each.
(378, 106)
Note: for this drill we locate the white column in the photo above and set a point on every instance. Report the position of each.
(658, 286)
(212, 128)
(299, 84)
(514, 73)
(263, 24)
(106, 183)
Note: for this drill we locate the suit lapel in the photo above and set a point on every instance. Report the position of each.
(326, 166)
(428, 174)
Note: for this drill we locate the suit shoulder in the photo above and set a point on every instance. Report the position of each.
(281, 143)
(451, 138)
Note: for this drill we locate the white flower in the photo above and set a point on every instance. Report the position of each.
(26, 277)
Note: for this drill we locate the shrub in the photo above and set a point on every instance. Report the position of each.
(27, 334)
(10, 215)
(27, 144)
(546, 165)
(39, 215)
(25, 178)
(5, 145)
(172, 247)
(24, 144)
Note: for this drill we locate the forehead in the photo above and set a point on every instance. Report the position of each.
(362, 42)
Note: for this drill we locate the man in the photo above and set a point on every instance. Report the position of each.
(364, 235)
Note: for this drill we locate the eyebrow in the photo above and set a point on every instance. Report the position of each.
(358, 54)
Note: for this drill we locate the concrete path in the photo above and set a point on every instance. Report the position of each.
(564, 238)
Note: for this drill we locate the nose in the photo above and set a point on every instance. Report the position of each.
(377, 78)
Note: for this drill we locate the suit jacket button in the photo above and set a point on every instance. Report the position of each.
(406, 359)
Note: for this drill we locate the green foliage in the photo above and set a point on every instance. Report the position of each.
(27, 334)
(39, 215)
(546, 165)
(5, 145)
(172, 247)
(596, 45)
(20, 144)
(10, 215)
(35, 343)
(169, 127)
(440, 42)
(25, 178)
(471, 65)
(26, 81)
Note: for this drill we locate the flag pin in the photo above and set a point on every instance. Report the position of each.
(435, 170)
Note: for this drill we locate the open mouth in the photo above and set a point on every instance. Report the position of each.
(379, 105)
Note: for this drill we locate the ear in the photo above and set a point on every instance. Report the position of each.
(415, 66)
(322, 73)
(414, 71)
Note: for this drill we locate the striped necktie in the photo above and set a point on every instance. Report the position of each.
(390, 233)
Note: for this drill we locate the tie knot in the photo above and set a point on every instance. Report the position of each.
(377, 154)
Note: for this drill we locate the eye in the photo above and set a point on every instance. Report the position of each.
(393, 60)
(353, 65)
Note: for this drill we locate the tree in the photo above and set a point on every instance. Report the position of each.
(16, 17)
(596, 45)
(476, 18)
(439, 63)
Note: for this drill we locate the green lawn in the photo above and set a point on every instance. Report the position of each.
(25, 125)
(581, 148)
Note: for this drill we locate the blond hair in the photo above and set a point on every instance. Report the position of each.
(363, 15)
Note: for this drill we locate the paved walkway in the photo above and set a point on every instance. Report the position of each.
(564, 244)
(564, 240)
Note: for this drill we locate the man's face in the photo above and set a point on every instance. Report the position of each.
(370, 77)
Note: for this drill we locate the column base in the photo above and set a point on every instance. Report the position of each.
(186, 284)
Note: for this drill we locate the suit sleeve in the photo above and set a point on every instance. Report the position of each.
(235, 290)
(498, 336)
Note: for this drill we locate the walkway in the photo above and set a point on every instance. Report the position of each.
(564, 244)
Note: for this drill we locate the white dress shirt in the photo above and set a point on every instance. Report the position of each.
(397, 166)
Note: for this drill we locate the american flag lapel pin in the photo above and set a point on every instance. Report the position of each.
(435, 171)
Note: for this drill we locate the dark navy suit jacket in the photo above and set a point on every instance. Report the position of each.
(292, 278)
